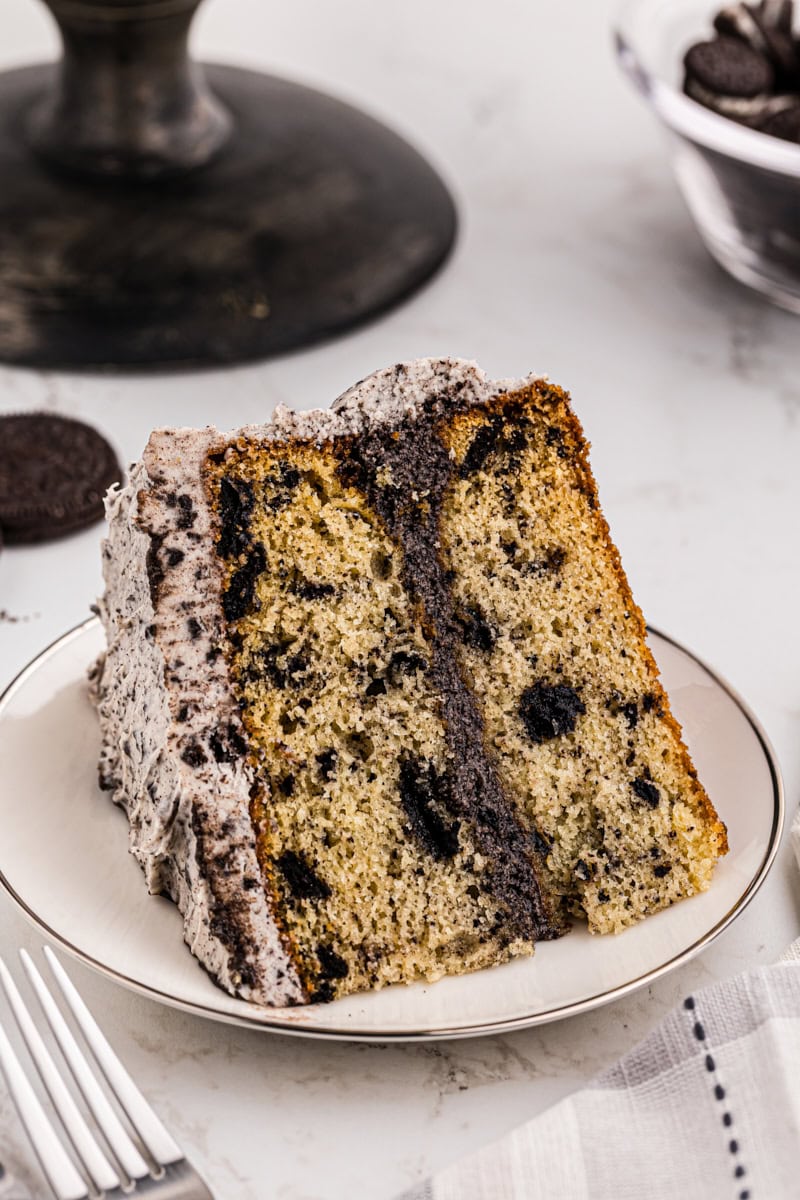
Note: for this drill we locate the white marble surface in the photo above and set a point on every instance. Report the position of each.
(576, 257)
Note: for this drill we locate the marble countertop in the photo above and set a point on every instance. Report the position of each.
(576, 257)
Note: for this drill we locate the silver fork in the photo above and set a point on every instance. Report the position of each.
(164, 1174)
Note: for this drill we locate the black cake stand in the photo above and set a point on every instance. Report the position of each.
(154, 213)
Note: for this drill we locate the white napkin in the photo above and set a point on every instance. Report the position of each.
(707, 1107)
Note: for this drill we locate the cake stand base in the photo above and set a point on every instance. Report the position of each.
(311, 219)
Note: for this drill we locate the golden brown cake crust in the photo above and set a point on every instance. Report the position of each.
(560, 400)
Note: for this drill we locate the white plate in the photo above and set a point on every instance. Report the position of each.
(63, 858)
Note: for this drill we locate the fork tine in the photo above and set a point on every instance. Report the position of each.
(56, 1164)
(124, 1150)
(161, 1145)
(90, 1154)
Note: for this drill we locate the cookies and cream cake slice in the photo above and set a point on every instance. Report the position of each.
(377, 699)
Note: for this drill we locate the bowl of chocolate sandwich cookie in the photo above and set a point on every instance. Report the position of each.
(725, 83)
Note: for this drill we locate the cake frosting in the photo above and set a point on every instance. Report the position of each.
(164, 700)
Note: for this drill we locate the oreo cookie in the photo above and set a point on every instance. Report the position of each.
(751, 72)
(766, 27)
(778, 48)
(784, 124)
(777, 14)
(54, 472)
(739, 21)
(730, 67)
(747, 112)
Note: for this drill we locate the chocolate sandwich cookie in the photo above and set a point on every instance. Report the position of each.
(753, 113)
(730, 67)
(766, 32)
(758, 24)
(784, 124)
(777, 14)
(738, 20)
(776, 45)
(54, 472)
(750, 73)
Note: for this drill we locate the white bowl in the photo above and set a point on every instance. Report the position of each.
(742, 187)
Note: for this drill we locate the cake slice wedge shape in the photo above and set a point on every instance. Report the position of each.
(377, 699)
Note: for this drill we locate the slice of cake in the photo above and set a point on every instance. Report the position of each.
(377, 699)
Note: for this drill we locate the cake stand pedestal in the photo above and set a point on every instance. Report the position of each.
(156, 214)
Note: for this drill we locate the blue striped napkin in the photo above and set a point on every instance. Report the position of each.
(707, 1107)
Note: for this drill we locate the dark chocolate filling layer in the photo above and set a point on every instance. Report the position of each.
(410, 505)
